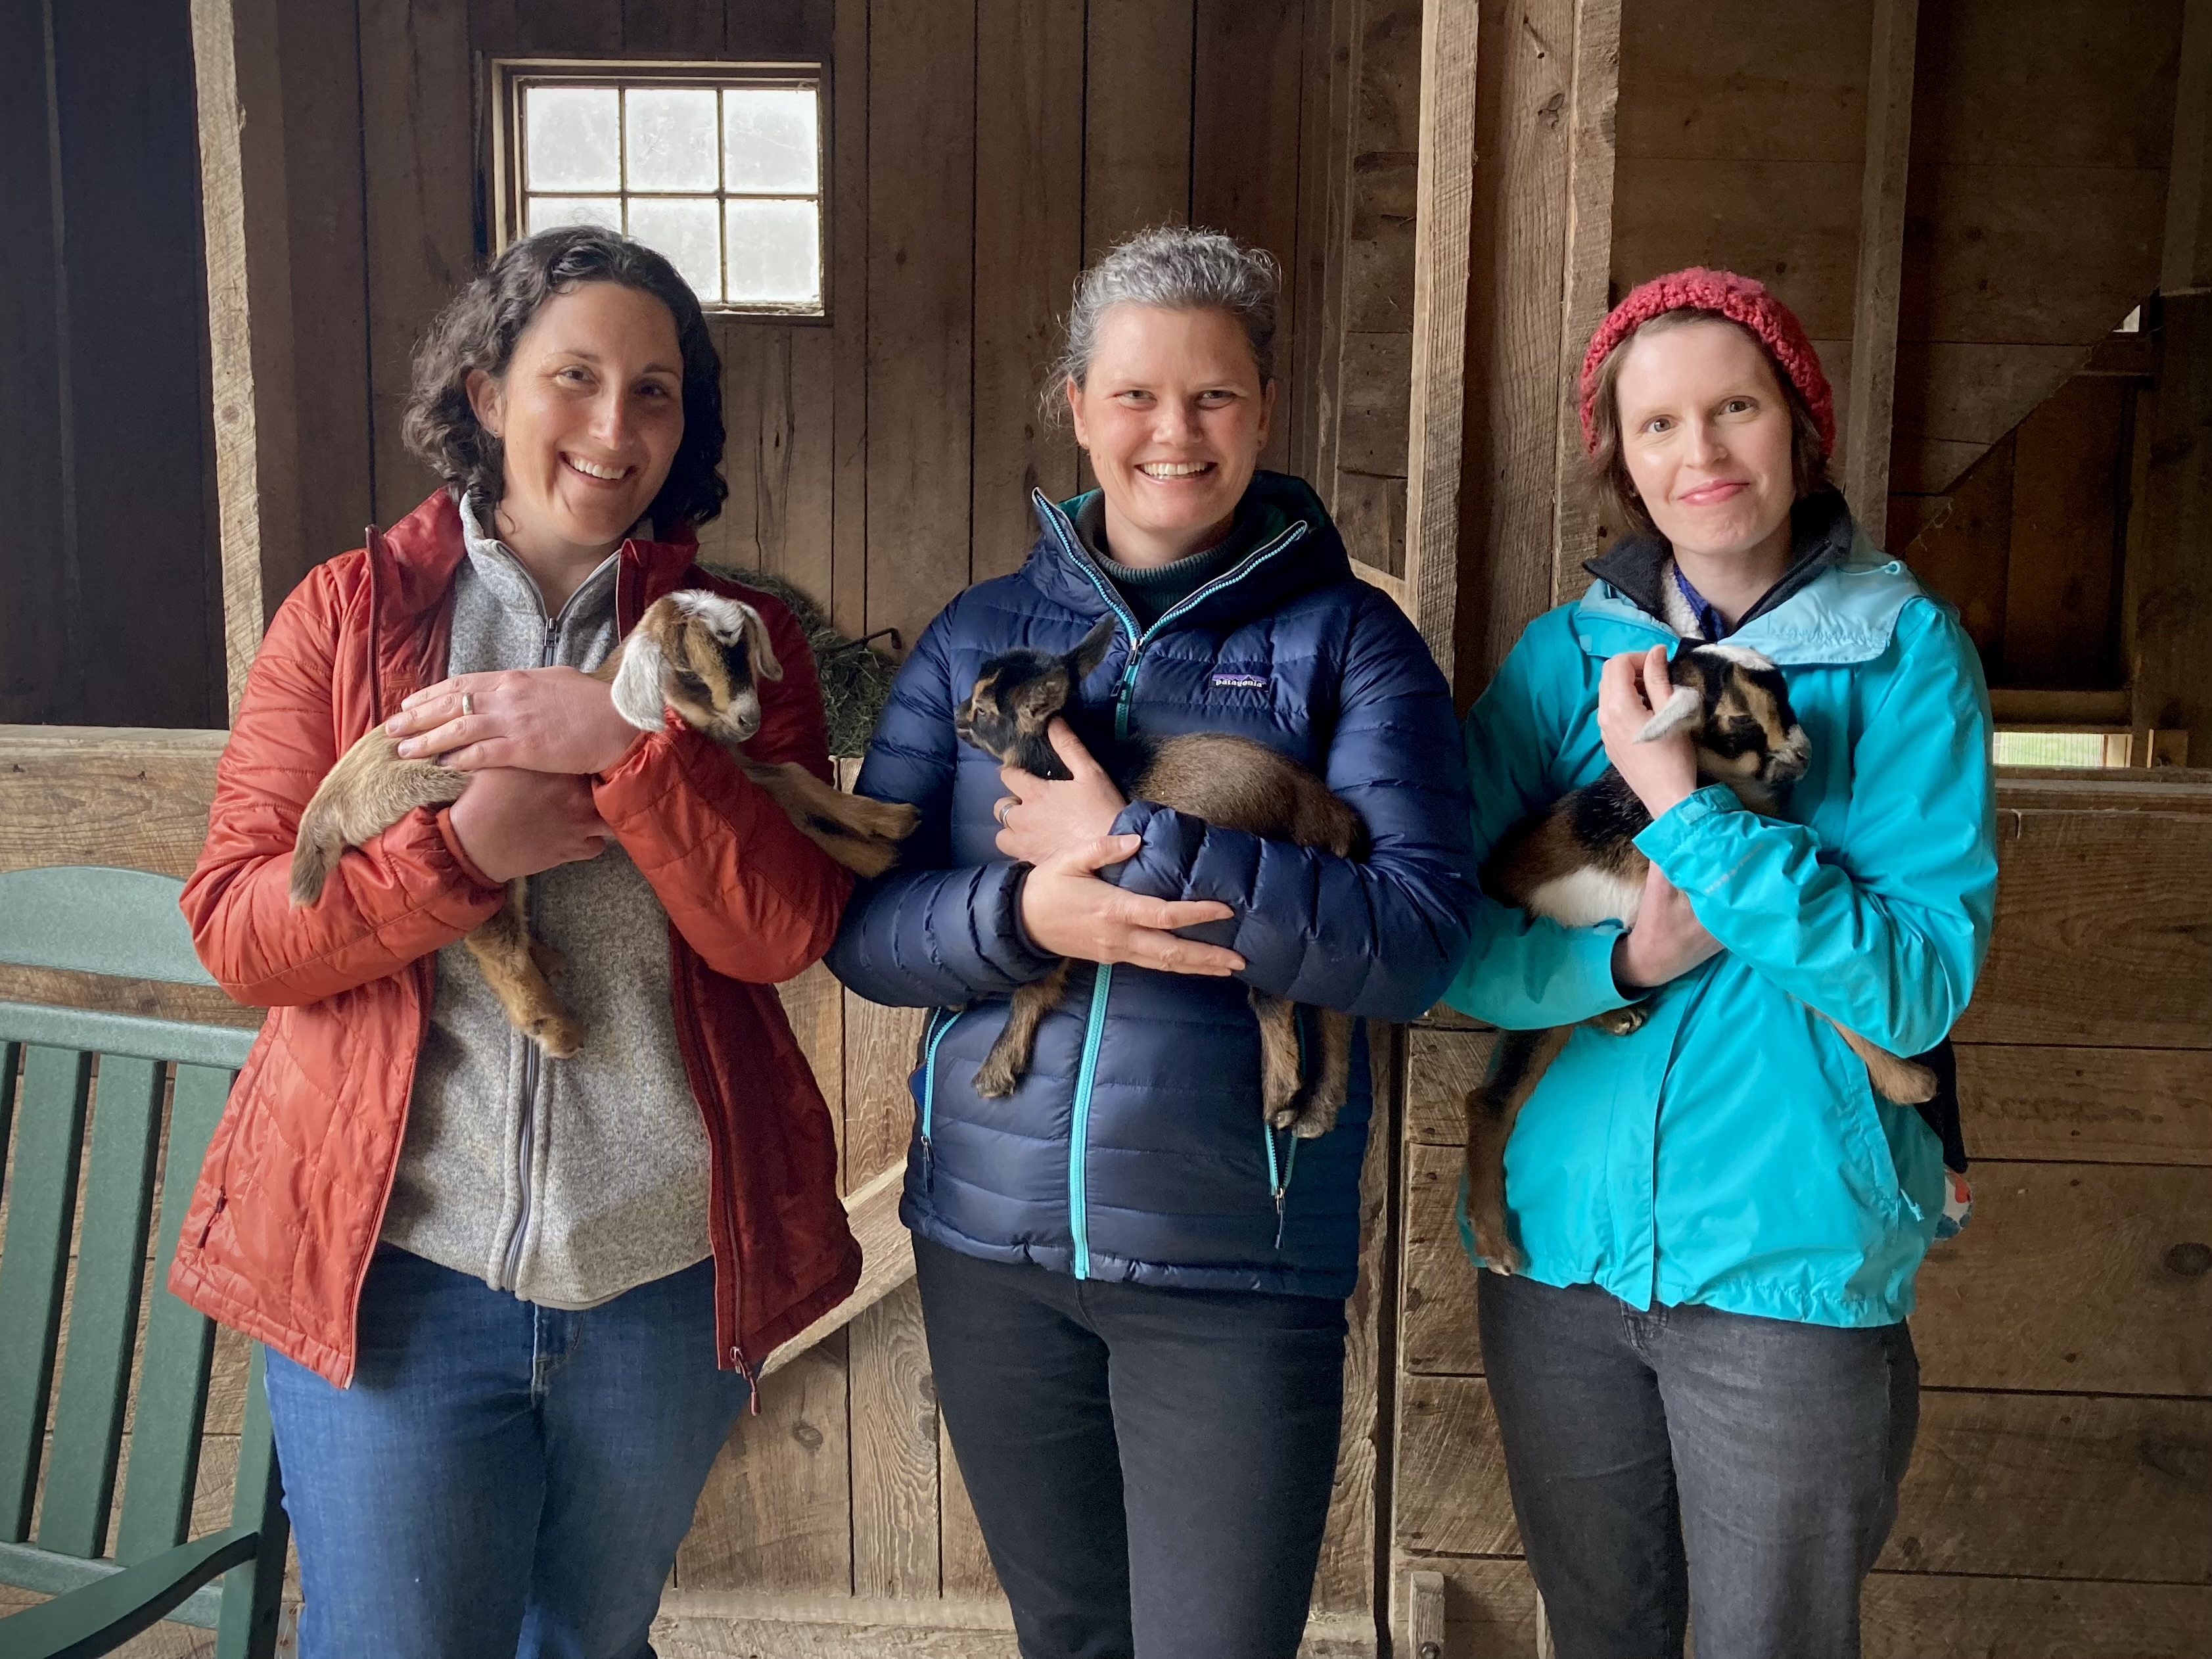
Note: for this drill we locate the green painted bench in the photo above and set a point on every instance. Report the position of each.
(123, 922)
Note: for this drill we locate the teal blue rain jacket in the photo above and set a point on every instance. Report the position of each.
(1731, 1152)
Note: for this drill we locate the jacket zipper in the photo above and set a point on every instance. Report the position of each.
(526, 1141)
(1079, 1217)
(937, 1035)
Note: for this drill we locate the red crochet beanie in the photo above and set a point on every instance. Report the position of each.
(1740, 299)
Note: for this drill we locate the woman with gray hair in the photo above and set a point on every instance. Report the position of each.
(1133, 1288)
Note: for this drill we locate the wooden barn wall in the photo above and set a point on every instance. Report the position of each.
(110, 610)
(2035, 206)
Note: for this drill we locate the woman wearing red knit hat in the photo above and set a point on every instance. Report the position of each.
(1696, 1340)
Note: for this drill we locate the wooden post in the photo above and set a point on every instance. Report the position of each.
(1881, 258)
(234, 54)
(2171, 680)
(1594, 99)
(1444, 202)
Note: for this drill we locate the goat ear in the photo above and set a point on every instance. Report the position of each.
(1677, 712)
(1091, 652)
(765, 665)
(637, 694)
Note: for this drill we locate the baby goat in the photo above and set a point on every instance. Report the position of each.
(1230, 782)
(693, 651)
(1576, 862)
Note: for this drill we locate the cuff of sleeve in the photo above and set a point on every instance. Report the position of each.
(467, 865)
(1673, 829)
(1590, 950)
(1033, 962)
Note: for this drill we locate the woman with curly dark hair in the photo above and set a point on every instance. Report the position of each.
(511, 1303)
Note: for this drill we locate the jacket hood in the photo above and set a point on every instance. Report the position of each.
(1296, 549)
(1839, 602)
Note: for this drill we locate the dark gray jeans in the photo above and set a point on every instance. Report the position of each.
(1688, 1459)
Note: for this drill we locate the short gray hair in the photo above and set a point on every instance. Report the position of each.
(1177, 268)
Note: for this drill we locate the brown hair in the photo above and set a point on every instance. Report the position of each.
(478, 331)
(1606, 471)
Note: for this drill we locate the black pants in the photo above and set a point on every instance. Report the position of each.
(1152, 1467)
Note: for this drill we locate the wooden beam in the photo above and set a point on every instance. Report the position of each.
(1593, 102)
(1882, 259)
(2186, 267)
(887, 1261)
(242, 192)
(1443, 204)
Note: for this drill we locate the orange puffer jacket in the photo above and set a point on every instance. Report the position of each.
(280, 1231)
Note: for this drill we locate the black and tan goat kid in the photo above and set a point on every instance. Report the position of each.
(696, 651)
(1228, 781)
(1577, 863)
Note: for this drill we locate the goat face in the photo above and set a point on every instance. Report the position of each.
(701, 654)
(1736, 708)
(1018, 692)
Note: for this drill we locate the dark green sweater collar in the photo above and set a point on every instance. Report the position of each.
(1151, 593)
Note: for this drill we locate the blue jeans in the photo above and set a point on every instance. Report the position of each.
(1686, 1464)
(501, 1477)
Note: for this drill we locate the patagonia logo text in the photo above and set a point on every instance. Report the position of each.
(1242, 682)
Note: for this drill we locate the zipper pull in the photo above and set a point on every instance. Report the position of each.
(1281, 1194)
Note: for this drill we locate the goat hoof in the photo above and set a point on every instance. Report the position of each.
(995, 1081)
(1314, 1122)
(551, 963)
(559, 1036)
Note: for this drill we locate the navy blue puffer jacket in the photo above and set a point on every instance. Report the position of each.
(1135, 1148)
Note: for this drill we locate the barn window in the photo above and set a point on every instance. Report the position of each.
(2074, 749)
(720, 170)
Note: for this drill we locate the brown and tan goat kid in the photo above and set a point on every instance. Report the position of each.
(1230, 782)
(1577, 863)
(698, 652)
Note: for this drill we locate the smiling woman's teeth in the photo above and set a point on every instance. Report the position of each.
(1174, 468)
(590, 470)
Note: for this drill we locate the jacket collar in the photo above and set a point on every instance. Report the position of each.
(1837, 603)
(1296, 549)
(410, 581)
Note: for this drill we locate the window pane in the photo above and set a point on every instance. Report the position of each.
(768, 141)
(775, 255)
(670, 139)
(572, 141)
(547, 212)
(687, 232)
(2050, 749)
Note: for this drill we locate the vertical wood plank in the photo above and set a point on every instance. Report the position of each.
(895, 1441)
(242, 195)
(1245, 107)
(1882, 259)
(964, 1560)
(879, 1056)
(779, 409)
(921, 116)
(776, 1509)
(2060, 583)
(672, 28)
(2185, 263)
(848, 314)
(1443, 212)
(36, 560)
(34, 1265)
(781, 30)
(1324, 179)
(1137, 118)
(103, 1324)
(1029, 243)
(1592, 104)
(569, 27)
(419, 204)
(814, 1003)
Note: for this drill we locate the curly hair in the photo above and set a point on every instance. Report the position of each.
(478, 330)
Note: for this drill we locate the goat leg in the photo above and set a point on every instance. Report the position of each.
(861, 834)
(514, 968)
(1008, 1062)
(1314, 1111)
(369, 789)
(1492, 1108)
(1279, 1057)
(1906, 1082)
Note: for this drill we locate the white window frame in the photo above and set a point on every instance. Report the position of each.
(509, 77)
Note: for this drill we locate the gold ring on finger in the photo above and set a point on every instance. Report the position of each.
(468, 702)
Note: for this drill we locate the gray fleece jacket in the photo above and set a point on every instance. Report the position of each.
(565, 1182)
